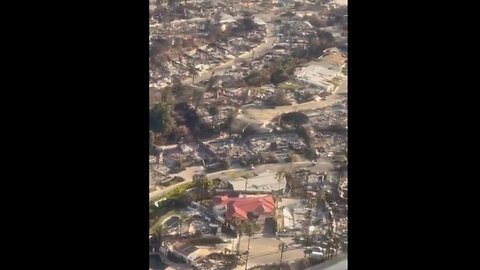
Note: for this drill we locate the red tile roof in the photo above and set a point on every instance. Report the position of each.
(239, 207)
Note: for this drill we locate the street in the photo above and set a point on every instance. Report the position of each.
(321, 166)
(265, 250)
(338, 263)
(259, 51)
(262, 249)
(263, 115)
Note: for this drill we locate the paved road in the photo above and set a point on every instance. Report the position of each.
(264, 115)
(259, 51)
(179, 22)
(321, 166)
(265, 250)
(338, 263)
(187, 174)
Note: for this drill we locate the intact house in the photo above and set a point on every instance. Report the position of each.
(235, 209)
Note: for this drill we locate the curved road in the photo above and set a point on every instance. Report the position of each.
(261, 115)
(190, 171)
(259, 51)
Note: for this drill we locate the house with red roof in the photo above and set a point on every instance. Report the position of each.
(237, 207)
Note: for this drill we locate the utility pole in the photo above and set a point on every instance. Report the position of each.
(282, 249)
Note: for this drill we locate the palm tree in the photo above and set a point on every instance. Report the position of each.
(280, 175)
(240, 231)
(246, 181)
(193, 72)
(249, 231)
(281, 246)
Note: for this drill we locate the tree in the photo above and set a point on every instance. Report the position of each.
(258, 77)
(281, 70)
(280, 175)
(192, 70)
(278, 75)
(306, 252)
(292, 158)
(214, 112)
(273, 146)
(160, 119)
(247, 23)
(282, 247)
(240, 231)
(311, 153)
(246, 181)
(249, 226)
(181, 131)
(198, 96)
(280, 98)
(167, 95)
(212, 82)
(176, 83)
(325, 37)
(294, 118)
